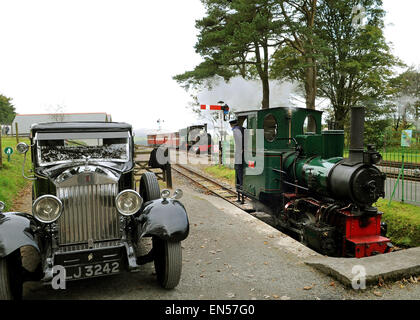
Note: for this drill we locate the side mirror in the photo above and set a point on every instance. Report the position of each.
(22, 147)
(2, 206)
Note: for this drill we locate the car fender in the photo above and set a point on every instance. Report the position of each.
(166, 219)
(16, 230)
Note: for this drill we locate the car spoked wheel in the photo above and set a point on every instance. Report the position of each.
(149, 187)
(11, 277)
(168, 262)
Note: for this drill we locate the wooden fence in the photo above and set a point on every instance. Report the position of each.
(142, 156)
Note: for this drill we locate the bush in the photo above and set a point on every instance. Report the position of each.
(403, 222)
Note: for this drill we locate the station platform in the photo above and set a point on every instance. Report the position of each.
(229, 254)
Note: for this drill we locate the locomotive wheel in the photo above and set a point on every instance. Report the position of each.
(11, 284)
(149, 187)
(168, 262)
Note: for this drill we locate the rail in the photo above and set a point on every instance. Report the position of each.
(226, 193)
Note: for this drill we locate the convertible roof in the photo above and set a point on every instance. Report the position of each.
(84, 126)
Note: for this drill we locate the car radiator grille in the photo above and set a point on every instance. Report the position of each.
(89, 214)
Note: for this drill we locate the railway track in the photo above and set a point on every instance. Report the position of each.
(392, 169)
(397, 164)
(406, 177)
(212, 186)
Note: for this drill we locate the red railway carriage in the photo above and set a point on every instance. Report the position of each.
(151, 140)
(170, 139)
(193, 136)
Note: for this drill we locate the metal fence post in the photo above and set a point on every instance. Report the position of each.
(402, 178)
(220, 153)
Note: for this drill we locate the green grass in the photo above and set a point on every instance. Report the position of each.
(222, 172)
(11, 180)
(403, 222)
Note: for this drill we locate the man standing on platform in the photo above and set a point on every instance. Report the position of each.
(238, 135)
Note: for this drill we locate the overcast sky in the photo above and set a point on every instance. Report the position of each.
(119, 56)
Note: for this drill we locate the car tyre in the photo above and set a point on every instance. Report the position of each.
(149, 187)
(168, 262)
(11, 284)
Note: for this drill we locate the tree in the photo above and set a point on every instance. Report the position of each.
(405, 98)
(378, 120)
(57, 112)
(358, 63)
(235, 39)
(350, 61)
(7, 110)
(298, 60)
(300, 18)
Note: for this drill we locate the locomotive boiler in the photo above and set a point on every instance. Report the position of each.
(312, 191)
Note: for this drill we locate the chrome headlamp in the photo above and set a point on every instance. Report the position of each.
(47, 209)
(22, 147)
(128, 202)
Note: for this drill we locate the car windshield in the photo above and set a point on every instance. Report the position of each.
(71, 147)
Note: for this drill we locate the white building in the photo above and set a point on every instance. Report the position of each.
(25, 121)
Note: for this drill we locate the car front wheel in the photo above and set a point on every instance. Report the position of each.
(10, 279)
(168, 262)
(149, 187)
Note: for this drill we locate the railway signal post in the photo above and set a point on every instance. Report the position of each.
(224, 111)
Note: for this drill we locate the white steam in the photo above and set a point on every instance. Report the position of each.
(404, 103)
(241, 94)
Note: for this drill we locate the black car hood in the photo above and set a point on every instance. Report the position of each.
(83, 174)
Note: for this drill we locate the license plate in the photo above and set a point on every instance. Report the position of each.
(94, 270)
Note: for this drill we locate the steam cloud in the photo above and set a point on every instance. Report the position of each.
(405, 102)
(242, 95)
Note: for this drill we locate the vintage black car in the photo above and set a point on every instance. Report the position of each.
(86, 215)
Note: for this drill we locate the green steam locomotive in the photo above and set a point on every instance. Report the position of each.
(312, 191)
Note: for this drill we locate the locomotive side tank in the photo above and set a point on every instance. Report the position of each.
(312, 190)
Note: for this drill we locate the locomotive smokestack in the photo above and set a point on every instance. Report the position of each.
(357, 128)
